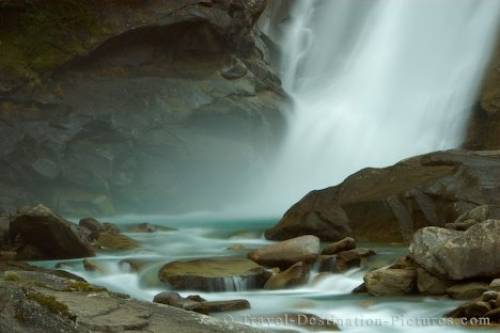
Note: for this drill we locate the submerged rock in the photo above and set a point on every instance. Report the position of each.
(390, 204)
(459, 255)
(48, 235)
(218, 274)
(285, 254)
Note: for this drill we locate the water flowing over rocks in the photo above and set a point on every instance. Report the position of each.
(217, 274)
(295, 275)
(390, 204)
(36, 300)
(152, 103)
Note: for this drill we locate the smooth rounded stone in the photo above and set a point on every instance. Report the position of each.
(345, 244)
(429, 284)
(49, 235)
(495, 284)
(476, 309)
(489, 295)
(112, 241)
(295, 275)
(391, 282)
(286, 253)
(217, 274)
(467, 290)
(458, 255)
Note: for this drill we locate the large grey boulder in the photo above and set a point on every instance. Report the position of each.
(391, 281)
(459, 255)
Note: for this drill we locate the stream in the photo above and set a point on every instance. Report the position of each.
(325, 295)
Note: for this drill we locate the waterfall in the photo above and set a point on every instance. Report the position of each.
(374, 82)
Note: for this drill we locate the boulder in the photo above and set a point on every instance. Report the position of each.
(429, 284)
(296, 275)
(52, 236)
(457, 255)
(476, 309)
(112, 241)
(345, 244)
(391, 282)
(344, 260)
(218, 274)
(197, 304)
(495, 284)
(143, 227)
(285, 254)
(390, 204)
(469, 290)
(92, 226)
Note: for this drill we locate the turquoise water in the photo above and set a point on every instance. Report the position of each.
(328, 297)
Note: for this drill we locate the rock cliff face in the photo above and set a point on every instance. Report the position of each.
(484, 126)
(137, 106)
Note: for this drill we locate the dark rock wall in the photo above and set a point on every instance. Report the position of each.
(156, 106)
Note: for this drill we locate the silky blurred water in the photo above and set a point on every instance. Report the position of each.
(328, 296)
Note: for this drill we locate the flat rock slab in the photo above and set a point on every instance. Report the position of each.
(221, 274)
(35, 308)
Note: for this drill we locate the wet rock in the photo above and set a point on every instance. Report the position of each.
(112, 241)
(390, 204)
(344, 261)
(460, 226)
(285, 254)
(51, 236)
(218, 274)
(93, 227)
(459, 255)
(495, 284)
(361, 289)
(35, 301)
(466, 291)
(295, 275)
(429, 284)
(391, 282)
(198, 304)
(345, 244)
(493, 315)
(143, 227)
(489, 295)
(477, 309)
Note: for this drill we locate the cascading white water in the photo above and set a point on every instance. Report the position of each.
(376, 81)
